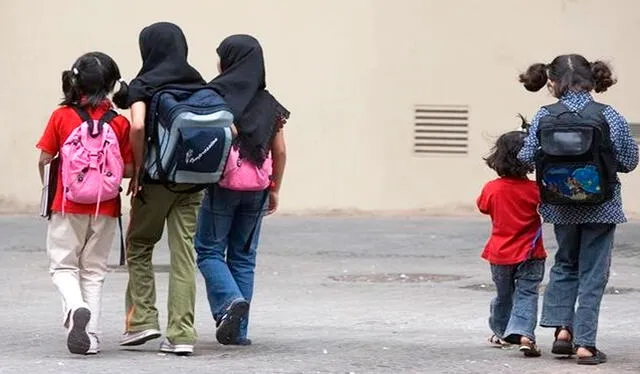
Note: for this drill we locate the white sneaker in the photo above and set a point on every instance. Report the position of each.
(78, 340)
(177, 349)
(94, 349)
(131, 338)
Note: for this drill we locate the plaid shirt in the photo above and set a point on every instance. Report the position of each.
(626, 153)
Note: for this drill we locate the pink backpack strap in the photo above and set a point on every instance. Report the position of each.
(106, 118)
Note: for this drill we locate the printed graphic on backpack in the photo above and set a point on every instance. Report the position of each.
(92, 165)
(575, 163)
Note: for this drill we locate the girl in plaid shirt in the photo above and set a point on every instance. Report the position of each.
(584, 233)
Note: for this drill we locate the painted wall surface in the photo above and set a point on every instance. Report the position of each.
(350, 71)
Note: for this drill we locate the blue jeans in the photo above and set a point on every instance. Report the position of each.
(514, 310)
(224, 226)
(580, 273)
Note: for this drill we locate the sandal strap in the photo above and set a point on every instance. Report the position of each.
(559, 329)
(594, 351)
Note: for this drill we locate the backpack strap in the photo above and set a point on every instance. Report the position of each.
(557, 109)
(84, 116)
(594, 109)
(151, 133)
(106, 118)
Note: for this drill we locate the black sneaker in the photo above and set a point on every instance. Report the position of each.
(229, 325)
(78, 340)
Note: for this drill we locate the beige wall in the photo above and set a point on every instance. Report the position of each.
(350, 71)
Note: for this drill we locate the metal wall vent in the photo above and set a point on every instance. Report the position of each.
(635, 131)
(441, 130)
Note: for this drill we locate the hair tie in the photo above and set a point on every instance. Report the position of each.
(570, 63)
(75, 71)
(122, 81)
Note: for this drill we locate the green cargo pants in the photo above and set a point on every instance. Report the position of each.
(149, 211)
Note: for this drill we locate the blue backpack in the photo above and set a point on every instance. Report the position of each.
(188, 137)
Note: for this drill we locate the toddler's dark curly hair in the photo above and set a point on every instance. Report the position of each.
(504, 155)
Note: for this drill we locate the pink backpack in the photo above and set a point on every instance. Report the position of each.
(92, 165)
(242, 175)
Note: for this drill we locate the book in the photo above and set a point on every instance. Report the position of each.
(50, 183)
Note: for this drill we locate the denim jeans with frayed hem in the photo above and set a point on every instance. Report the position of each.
(514, 310)
(224, 226)
(580, 273)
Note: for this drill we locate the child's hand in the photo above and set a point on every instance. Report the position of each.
(273, 202)
(134, 188)
(234, 131)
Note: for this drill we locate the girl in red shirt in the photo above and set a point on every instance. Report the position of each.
(515, 249)
(79, 236)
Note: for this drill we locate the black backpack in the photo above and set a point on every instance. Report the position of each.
(575, 164)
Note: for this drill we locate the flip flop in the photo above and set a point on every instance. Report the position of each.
(496, 342)
(598, 357)
(530, 350)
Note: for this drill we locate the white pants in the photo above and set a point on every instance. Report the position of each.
(78, 247)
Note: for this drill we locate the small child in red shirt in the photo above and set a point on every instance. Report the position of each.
(80, 233)
(515, 249)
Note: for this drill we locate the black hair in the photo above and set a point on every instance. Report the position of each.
(524, 125)
(504, 154)
(569, 72)
(90, 80)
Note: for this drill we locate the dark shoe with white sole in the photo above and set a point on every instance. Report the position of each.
(229, 325)
(134, 338)
(176, 349)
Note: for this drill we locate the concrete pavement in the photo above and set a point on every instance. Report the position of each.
(333, 295)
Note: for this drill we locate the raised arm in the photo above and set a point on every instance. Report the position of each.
(528, 152)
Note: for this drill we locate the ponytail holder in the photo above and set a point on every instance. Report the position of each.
(75, 71)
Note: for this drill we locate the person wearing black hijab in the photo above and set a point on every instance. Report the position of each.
(242, 85)
(229, 221)
(164, 50)
(163, 47)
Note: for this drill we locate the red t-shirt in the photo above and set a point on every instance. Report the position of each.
(516, 233)
(61, 124)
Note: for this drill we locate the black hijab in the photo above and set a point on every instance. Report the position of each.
(163, 47)
(242, 84)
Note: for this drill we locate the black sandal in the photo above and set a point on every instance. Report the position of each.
(598, 357)
(563, 347)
